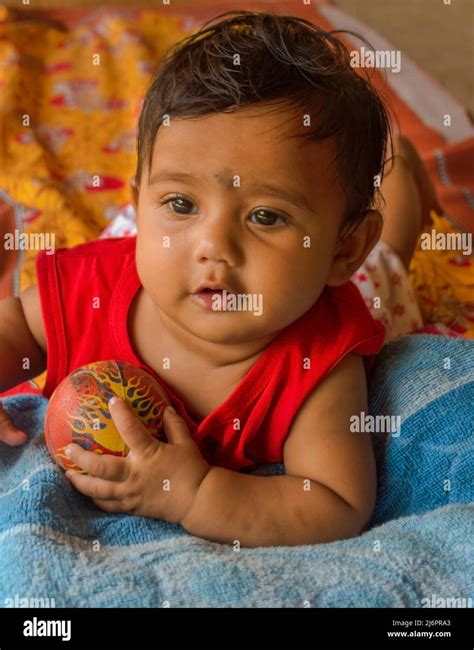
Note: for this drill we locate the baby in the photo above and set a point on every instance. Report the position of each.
(260, 151)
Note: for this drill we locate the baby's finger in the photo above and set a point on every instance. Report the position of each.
(131, 429)
(94, 487)
(176, 429)
(110, 505)
(9, 434)
(110, 468)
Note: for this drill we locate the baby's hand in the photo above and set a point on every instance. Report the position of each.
(156, 479)
(9, 434)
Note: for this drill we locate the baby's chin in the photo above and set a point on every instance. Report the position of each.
(227, 330)
(232, 328)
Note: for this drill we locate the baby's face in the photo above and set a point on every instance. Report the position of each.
(257, 211)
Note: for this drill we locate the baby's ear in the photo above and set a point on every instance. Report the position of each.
(134, 192)
(352, 250)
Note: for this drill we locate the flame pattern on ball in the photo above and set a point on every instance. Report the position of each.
(78, 410)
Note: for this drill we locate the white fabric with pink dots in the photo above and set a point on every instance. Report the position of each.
(383, 282)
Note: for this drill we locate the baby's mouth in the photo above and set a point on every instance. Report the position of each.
(212, 291)
(206, 297)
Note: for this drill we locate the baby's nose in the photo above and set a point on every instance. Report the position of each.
(218, 242)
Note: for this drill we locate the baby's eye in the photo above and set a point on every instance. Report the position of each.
(180, 203)
(268, 218)
(181, 206)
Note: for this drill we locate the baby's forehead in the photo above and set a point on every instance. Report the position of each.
(246, 149)
(268, 138)
(222, 152)
(225, 177)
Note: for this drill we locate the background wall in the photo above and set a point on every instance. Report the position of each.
(438, 37)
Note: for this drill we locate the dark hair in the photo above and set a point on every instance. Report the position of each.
(285, 60)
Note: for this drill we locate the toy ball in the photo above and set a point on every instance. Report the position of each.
(78, 409)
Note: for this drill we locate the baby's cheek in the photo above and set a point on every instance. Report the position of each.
(153, 252)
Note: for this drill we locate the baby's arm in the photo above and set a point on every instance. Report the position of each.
(321, 453)
(22, 350)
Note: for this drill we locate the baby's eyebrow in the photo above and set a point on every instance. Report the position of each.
(225, 177)
(170, 175)
(292, 196)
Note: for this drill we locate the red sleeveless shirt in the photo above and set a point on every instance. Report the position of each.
(266, 400)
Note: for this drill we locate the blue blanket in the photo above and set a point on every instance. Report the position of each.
(55, 544)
